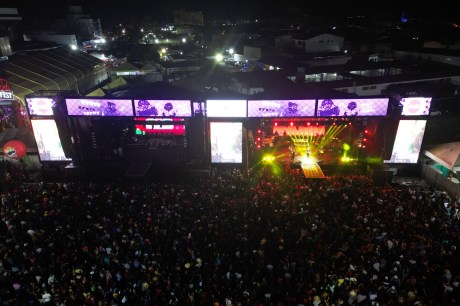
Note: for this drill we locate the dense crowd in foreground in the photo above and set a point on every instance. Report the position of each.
(232, 239)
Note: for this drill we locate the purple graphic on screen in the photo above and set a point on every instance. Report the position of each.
(198, 108)
(226, 108)
(352, 107)
(162, 108)
(99, 107)
(415, 106)
(281, 108)
(40, 106)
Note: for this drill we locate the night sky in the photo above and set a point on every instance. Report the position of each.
(114, 11)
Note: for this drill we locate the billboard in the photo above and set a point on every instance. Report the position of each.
(99, 107)
(160, 126)
(281, 108)
(408, 141)
(226, 108)
(48, 142)
(162, 108)
(40, 106)
(226, 142)
(352, 107)
(415, 106)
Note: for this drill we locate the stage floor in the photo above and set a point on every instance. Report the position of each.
(310, 167)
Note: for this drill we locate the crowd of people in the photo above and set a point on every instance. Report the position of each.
(268, 237)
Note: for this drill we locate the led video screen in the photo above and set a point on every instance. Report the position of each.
(415, 106)
(198, 108)
(226, 108)
(99, 107)
(160, 126)
(281, 108)
(40, 106)
(408, 141)
(226, 142)
(352, 107)
(162, 108)
(48, 142)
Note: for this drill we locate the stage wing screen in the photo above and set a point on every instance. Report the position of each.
(415, 106)
(99, 107)
(226, 108)
(48, 141)
(352, 107)
(163, 108)
(226, 142)
(408, 141)
(40, 106)
(281, 108)
(198, 108)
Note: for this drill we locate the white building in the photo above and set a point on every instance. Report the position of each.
(322, 43)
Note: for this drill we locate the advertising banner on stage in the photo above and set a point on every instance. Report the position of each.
(163, 108)
(415, 106)
(160, 126)
(99, 107)
(352, 107)
(40, 106)
(226, 108)
(281, 108)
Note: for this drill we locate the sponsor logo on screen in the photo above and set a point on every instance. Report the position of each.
(40, 106)
(415, 106)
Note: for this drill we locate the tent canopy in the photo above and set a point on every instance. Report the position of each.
(116, 82)
(96, 93)
(148, 67)
(446, 154)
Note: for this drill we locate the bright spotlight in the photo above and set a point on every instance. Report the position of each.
(231, 51)
(184, 40)
(268, 159)
(73, 47)
(219, 57)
